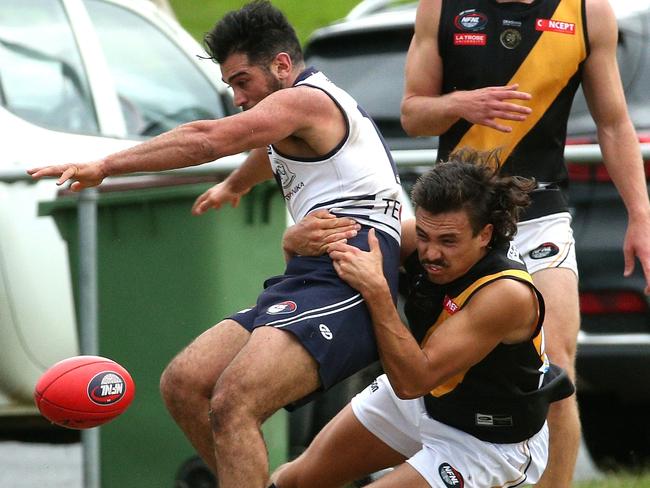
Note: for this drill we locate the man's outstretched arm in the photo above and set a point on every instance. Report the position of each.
(281, 114)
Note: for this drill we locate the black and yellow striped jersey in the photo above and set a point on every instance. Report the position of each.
(540, 46)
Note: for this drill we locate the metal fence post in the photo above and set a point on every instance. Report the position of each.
(88, 318)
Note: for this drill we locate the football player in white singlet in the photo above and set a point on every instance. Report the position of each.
(308, 329)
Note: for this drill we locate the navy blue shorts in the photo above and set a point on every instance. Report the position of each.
(329, 318)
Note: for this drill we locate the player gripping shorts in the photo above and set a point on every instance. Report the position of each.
(327, 316)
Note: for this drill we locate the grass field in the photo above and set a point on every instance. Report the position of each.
(618, 481)
(198, 16)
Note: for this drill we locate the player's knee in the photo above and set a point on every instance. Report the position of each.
(561, 350)
(167, 383)
(172, 382)
(279, 471)
(306, 471)
(228, 409)
(564, 355)
(287, 475)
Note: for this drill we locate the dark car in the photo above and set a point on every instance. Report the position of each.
(365, 54)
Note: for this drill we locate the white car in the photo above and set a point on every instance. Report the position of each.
(78, 79)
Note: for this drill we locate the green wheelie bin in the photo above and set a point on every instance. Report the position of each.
(165, 276)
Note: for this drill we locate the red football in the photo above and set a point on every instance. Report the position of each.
(83, 392)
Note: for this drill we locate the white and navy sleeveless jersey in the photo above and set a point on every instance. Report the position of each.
(357, 179)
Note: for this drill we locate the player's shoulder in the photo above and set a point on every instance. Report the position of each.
(507, 305)
(300, 92)
(429, 7)
(428, 17)
(600, 14)
(601, 22)
(508, 293)
(598, 6)
(304, 99)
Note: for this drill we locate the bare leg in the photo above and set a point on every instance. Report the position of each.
(342, 452)
(187, 382)
(560, 290)
(272, 370)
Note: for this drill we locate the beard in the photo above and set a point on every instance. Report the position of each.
(272, 85)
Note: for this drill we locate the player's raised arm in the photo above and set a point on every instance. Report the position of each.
(295, 113)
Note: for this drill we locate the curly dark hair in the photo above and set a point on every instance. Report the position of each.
(259, 30)
(469, 180)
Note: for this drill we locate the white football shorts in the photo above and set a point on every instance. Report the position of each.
(445, 456)
(547, 242)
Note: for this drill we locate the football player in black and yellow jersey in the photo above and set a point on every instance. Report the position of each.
(467, 388)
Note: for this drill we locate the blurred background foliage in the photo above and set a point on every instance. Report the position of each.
(198, 16)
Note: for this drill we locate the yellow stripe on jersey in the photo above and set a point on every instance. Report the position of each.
(538, 341)
(460, 300)
(545, 72)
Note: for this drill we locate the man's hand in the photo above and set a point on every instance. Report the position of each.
(215, 197)
(485, 105)
(82, 175)
(637, 244)
(361, 270)
(316, 232)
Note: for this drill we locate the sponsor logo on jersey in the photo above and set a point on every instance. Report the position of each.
(290, 194)
(511, 23)
(284, 174)
(555, 26)
(393, 208)
(489, 420)
(283, 307)
(374, 386)
(510, 38)
(470, 20)
(546, 250)
(106, 388)
(325, 332)
(450, 477)
(470, 39)
(450, 306)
